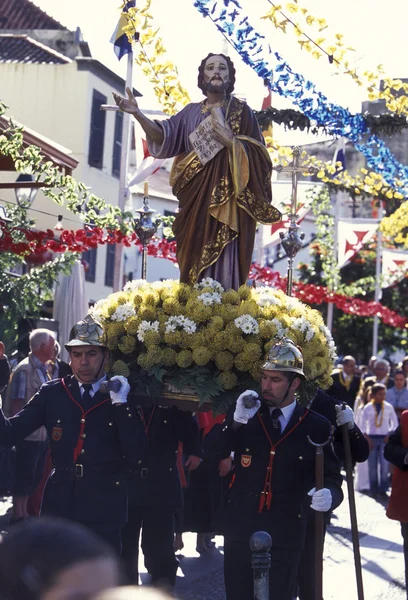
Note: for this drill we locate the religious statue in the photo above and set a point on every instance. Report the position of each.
(221, 176)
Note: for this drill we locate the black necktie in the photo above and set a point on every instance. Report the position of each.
(86, 396)
(276, 426)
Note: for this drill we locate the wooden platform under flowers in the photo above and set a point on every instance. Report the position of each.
(207, 342)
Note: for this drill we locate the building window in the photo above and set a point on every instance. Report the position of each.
(117, 144)
(97, 134)
(89, 258)
(110, 264)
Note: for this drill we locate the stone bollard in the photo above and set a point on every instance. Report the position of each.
(260, 544)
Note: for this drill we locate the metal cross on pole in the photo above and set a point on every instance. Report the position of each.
(292, 239)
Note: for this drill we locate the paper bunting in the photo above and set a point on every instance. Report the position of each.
(351, 237)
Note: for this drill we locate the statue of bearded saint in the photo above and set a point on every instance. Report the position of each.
(221, 176)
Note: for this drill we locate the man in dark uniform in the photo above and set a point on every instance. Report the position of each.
(273, 484)
(338, 415)
(346, 383)
(93, 437)
(155, 493)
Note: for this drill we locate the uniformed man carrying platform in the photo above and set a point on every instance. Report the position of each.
(94, 437)
(274, 480)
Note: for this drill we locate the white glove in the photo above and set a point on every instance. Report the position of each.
(344, 415)
(243, 414)
(120, 397)
(321, 500)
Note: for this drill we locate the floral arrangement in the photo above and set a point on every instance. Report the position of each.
(207, 338)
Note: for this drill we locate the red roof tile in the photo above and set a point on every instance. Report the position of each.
(23, 14)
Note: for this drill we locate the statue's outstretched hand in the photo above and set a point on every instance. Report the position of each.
(128, 104)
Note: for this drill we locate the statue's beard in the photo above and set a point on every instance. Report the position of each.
(216, 88)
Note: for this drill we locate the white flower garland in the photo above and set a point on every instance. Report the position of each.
(208, 282)
(123, 312)
(208, 298)
(304, 326)
(146, 326)
(130, 286)
(180, 322)
(247, 324)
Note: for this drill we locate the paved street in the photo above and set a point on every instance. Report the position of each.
(200, 577)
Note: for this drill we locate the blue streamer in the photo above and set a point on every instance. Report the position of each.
(256, 53)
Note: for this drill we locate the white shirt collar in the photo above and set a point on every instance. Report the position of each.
(95, 386)
(287, 412)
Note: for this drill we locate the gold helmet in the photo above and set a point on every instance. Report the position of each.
(285, 356)
(86, 332)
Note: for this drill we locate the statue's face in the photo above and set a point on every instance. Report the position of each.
(216, 74)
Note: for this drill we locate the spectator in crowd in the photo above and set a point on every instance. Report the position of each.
(379, 419)
(381, 374)
(51, 559)
(57, 368)
(346, 383)
(361, 480)
(398, 394)
(396, 452)
(26, 380)
(94, 437)
(404, 367)
(4, 368)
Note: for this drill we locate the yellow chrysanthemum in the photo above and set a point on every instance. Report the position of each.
(235, 343)
(120, 368)
(151, 298)
(228, 380)
(253, 351)
(249, 307)
(169, 357)
(224, 360)
(173, 337)
(127, 344)
(226, 312)
(220, 341)
(256, 372)
(183, 293)
(245, 292)
(241, 362)
(151, 338)
(184, 359)
(131, 325)
(147, 313)
(216, 324)
(267, 330)
(231, 297)
(171, 306)
(202, 356)
(201, 313)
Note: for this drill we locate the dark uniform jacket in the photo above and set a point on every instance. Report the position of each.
(293, 475)
(155, 481)
(4, 372)
(324, 405)
(342, 393)
(91, 448)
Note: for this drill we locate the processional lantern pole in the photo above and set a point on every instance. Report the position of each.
(145, 227)
(292, 239)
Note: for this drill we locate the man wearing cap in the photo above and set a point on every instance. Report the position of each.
(94, 436)
(274, 480)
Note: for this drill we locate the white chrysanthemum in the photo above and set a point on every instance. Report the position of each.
(265, 296)
(303, 325)
(97, 310)
(208, 298)
(146, 326)
(123, 312)
(330, 342)
(280, 330)
(179, 322)
(208, 282)
(130, 286)
(247, 324)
